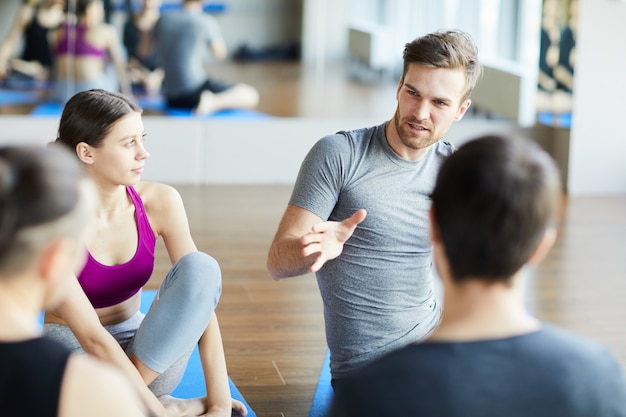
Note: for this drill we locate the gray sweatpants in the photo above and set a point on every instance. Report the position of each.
(165, 337)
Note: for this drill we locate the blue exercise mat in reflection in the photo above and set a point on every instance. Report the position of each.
(8, 97)
(50, 108)
(563, 120)
(47, 108)
(157, 103)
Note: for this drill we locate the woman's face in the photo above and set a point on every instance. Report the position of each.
(151, 4)
(121, 157)
(95, 11)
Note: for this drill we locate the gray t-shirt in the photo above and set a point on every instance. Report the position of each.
(378, 294)
(182, 39)
(547, 373)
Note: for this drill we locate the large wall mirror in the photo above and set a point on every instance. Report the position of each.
(340, 58)
(262, 42)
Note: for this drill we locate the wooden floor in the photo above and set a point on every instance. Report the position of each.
(273, 331)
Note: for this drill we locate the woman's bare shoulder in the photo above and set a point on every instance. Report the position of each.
(104, 32)
(157, 195)
(162, 203)
(150, 189)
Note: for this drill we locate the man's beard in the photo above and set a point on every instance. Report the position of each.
(407, 135)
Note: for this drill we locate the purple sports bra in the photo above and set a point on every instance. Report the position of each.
(78, 45)
(109, 285)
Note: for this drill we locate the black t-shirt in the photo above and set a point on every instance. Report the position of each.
(31, 375)
(132, 38)
(36, 45)
(546, 373)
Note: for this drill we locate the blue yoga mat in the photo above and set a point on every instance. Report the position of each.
(323, 397)
(192, 385)
(221, 114)
(47, 108)
(213, 7)
(555, 119)
(8, 97)
(157, 104)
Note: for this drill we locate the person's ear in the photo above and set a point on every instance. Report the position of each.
(545, 244)
(56, 259)
(85, 153)
(400, 83)
(462, 109)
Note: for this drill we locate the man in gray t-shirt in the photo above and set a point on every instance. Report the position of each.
(358, 215)
(183, 38)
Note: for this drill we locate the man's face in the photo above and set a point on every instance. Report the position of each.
(429, 100)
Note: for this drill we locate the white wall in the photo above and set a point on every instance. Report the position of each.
(260, 23)
(7, 11)
(598, 136)
(324, 31)
(8, 8)
(208, 151)
(227, 151)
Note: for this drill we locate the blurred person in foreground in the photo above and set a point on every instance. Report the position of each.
(47, 215)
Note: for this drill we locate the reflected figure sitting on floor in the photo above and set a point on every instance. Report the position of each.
(548, 54)
(31, 25)
(142, 58)
(182, 37)
(564, 70)
(86, 51)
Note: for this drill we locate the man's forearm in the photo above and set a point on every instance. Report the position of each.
(285, 259)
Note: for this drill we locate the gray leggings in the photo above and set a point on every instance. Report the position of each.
(165, 337)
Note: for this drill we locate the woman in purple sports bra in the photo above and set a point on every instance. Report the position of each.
(102, 317)
(88, 53)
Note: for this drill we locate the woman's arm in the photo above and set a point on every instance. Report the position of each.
(115, 49)
(24, 15)
(83, 320)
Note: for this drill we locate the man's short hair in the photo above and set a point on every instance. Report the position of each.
(450, 49)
